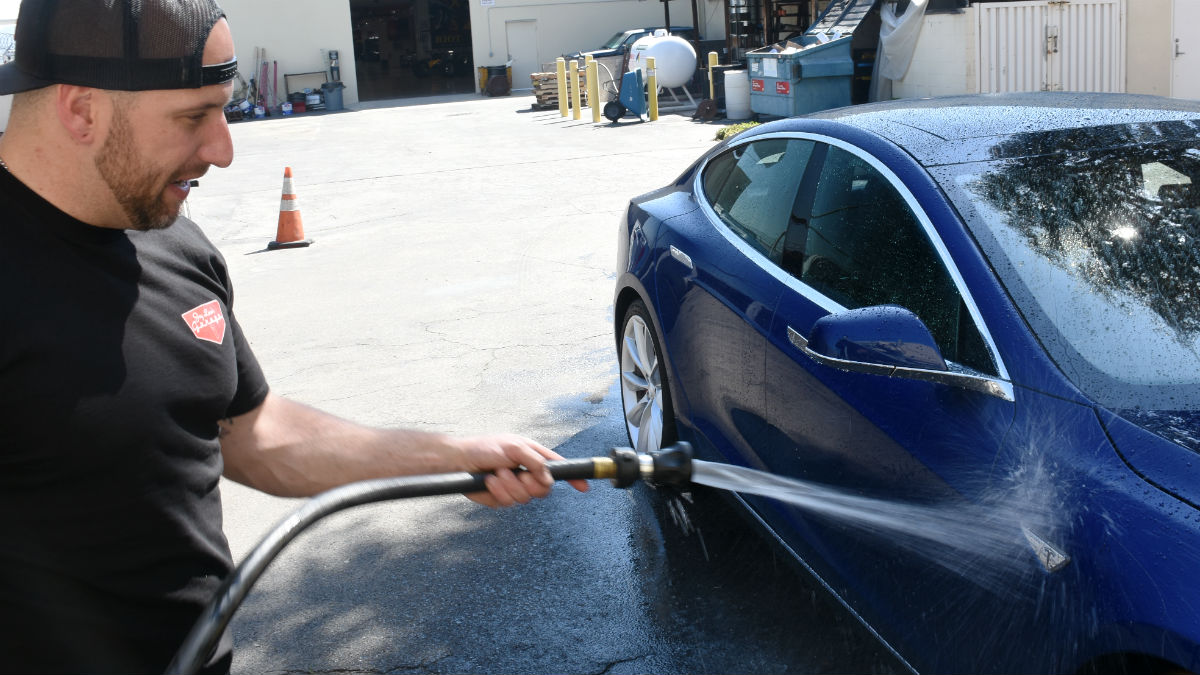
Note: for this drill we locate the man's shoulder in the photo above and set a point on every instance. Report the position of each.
(180, 246)
(187, 231)
(183, 237)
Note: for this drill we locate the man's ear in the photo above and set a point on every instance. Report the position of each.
(79, 111)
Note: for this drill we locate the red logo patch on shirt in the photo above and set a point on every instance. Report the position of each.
(207, 322)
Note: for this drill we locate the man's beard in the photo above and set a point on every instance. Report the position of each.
(140, 194)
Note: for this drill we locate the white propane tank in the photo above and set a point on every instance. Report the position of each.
(674, 58)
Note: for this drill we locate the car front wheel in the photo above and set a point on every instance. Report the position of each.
(645, 395)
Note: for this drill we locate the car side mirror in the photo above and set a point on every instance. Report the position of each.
(886, 335)
(891, 341)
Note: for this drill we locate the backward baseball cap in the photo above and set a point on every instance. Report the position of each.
(127, 45)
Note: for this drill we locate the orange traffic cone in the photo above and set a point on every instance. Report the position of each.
(290, 233)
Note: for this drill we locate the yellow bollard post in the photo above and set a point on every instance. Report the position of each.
(652, 86)
(593, 84)
(561, 64)
(712, 87)
(573, 66)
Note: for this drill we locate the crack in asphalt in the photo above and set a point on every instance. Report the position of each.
(613, 664)
(421, 666)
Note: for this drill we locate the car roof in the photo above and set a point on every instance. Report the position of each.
(955, 129)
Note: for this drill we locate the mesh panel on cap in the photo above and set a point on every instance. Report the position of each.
(121, 44)
(78, 28)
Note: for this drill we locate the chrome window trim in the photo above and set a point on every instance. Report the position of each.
(980, 383)
(1002, 379)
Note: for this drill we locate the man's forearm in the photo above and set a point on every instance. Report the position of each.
(290, 449)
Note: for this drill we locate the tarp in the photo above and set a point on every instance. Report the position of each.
(897, 42)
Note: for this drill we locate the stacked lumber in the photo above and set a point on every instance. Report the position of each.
(545, 89)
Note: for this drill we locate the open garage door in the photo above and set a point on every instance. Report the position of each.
(406, 48)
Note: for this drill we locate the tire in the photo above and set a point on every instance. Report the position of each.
(645, 392)
(613, 111)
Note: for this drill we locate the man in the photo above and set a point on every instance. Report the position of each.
(126, 385)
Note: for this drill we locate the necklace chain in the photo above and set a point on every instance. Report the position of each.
(4, 166)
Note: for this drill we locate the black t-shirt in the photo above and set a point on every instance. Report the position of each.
(119, 352)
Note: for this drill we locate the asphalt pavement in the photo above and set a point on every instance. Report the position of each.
(461, 280)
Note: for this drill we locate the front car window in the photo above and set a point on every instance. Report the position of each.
(632, 38)
(863, 246)
(1100, 249)
(852, 238)
(614, 41)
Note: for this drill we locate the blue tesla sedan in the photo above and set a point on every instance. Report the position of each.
(974, 323)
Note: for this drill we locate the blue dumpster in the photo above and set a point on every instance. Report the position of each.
(796, 81)
(814, 72)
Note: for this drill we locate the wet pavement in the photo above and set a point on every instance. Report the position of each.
(461, 280)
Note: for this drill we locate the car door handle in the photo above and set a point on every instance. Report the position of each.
(682, 257)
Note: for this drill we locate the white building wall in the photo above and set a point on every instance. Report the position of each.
(566, 26)
(298, 33)
(944, 61)
(295, 33)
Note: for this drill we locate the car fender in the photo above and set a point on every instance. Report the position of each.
(636, 262)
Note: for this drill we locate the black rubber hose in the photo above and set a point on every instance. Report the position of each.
(203, 637)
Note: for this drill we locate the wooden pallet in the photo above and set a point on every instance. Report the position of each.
(545, 89)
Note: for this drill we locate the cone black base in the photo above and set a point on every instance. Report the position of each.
(289, 244)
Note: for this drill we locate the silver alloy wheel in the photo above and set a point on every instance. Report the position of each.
(641, 386)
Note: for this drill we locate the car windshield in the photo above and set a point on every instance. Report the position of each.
(614, 41)
(1101, 251)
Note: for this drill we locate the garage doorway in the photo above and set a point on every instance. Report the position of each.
(407, 48)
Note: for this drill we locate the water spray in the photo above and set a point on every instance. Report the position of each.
(624, 467)
(980, 542)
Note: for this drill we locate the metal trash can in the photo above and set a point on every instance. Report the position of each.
(332, 92)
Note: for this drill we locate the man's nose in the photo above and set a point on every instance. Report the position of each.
(217, 149)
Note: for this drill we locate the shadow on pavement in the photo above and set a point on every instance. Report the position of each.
(590, 587)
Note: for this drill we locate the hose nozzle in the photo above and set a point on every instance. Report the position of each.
(670, 466)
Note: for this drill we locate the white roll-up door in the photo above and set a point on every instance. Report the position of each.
(1069, 45)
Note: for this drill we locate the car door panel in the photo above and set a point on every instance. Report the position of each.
(901, 441)
(717, 299)
(713, 313)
